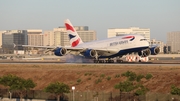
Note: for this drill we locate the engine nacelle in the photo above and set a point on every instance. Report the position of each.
(155, 50)
(90, 53)
(60, 51)
(144, 53)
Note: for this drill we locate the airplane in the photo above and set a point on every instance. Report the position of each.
(107, 48)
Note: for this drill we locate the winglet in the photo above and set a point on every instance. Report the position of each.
(14, 45)
(73, 35)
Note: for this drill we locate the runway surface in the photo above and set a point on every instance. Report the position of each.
(155, 63)
(160, 61)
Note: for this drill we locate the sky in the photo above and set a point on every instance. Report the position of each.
(161, 16)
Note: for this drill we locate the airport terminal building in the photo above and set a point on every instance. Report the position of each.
(1, 38)
(112, 32)
(11, 37)
(173, 41)
(35, 37)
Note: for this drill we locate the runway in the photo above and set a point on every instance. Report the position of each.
(155, 63)
(160, 61)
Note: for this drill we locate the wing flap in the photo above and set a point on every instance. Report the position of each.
(47, 47)
(53, 48)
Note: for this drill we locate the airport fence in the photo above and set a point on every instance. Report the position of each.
(93, 96)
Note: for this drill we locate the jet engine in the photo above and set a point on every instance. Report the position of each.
(144, 53)
(60, 51)
(155, 50)
(90, 53)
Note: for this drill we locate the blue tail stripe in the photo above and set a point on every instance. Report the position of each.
(71, 36)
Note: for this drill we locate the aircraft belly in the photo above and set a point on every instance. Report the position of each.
(74, 52)
(108, 52)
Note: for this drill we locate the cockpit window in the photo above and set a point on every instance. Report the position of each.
(143, 39)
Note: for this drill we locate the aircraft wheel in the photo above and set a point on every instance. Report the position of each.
(119, 61)
(109, 61)
(96, 61)
(112, 61)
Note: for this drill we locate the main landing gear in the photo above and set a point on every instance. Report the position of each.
(103, 61)
(108, 61)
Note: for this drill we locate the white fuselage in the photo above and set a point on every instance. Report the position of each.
(117, 44)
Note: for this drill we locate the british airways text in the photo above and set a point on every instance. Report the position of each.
(120, 42)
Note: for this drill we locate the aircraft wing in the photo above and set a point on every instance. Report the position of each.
(75, 50)
(46, 47)
(92, 52)
(54, 48)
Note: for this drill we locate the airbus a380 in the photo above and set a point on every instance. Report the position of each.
(108, 48)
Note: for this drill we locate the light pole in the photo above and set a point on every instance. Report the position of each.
(10, 94)
(73, 88)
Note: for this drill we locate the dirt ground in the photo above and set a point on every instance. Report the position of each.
(94, 77)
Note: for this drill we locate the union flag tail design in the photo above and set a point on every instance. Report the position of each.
(73, 36)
